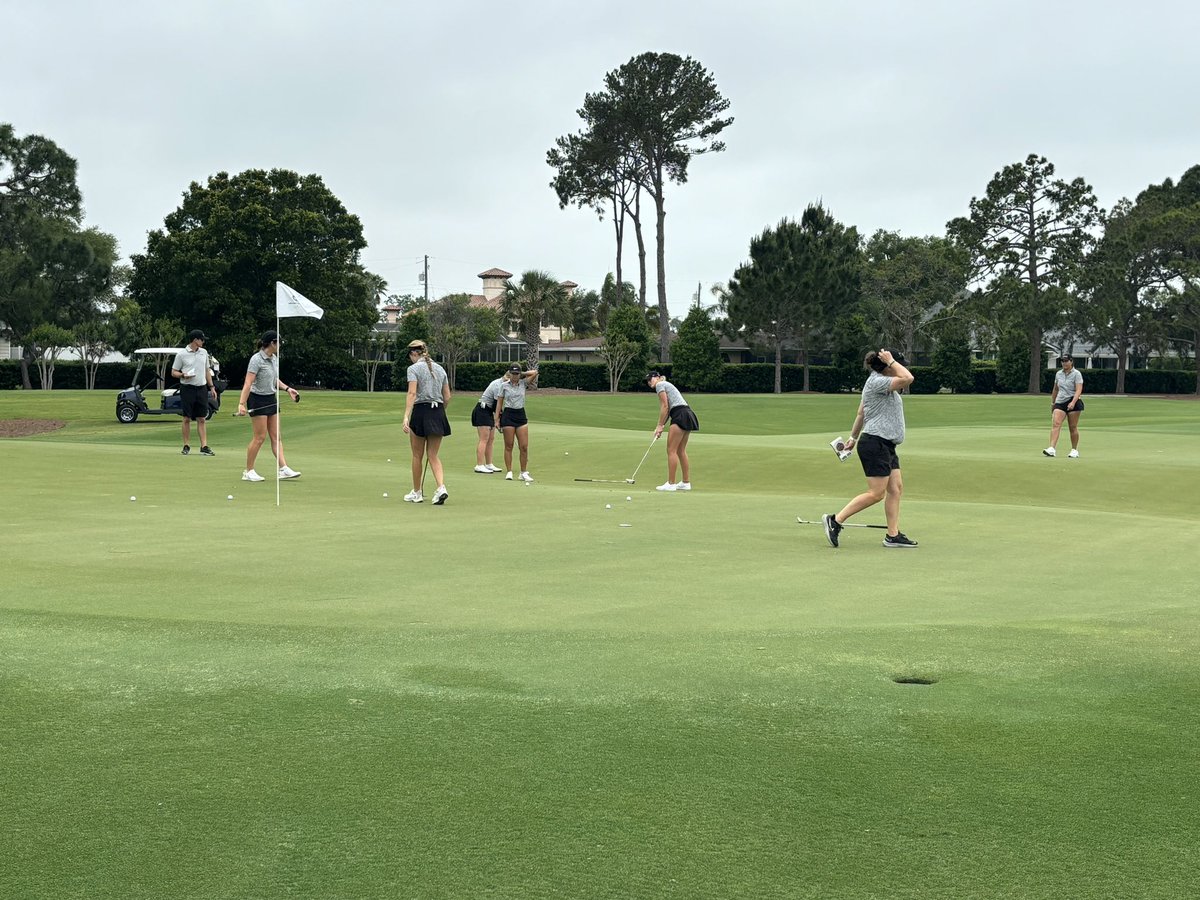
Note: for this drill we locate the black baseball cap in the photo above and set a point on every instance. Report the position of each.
(514, 369)
(1066, 357)
(196, 335)
(653, 373)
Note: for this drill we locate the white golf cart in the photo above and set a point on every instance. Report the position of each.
(131, 402)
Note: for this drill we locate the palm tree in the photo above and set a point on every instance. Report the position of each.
(536, 299)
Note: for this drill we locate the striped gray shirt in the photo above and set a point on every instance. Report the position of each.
(491, 393)
(883, 409)
(513, 394)
(266, 373)
(429, 384)
(674, 398)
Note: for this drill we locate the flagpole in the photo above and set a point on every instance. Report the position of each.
(278, 408)
(288, 303)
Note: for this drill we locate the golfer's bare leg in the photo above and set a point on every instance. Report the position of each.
(876, 491)
(1073, 424)
(1059, 415)
(418, 458)
(891, 502)
(509, 434)
(432, 444)
(523, 443)
(483, 448)
(683, 457)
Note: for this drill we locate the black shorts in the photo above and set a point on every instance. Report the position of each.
(685, 418)
(1063, 406)
(262, 405)
(483, 416)
(193, 400)
(429, 420)
(513, 418)
(878, 456)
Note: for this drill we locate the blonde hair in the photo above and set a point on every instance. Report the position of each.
(421, 345)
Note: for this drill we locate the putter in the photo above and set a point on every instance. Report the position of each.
(627, 480)
(844, 524)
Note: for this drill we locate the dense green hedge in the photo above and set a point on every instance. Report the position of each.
(744, 378)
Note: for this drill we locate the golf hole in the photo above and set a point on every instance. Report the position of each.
(913, 679)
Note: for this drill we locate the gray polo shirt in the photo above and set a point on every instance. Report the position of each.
(429, 384)
(1066, 385)
(491, 393)
(513, 394)
(194, 361)
(265, 370)
(674, 398)
(883, 409)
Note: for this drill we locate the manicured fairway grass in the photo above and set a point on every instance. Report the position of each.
(512, 696)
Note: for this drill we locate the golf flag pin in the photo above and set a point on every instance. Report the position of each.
(290, 303)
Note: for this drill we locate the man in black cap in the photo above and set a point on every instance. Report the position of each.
(194, 372)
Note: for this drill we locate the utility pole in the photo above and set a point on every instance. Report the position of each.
(425, 278)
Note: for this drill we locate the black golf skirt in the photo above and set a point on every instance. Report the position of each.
(1063, 407)
(483, 416)
(685, 418)
(429, 420)
(513, 418)
(877, 455)
(262, 405)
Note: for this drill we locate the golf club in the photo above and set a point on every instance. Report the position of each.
(633, 477)
(627, 480)
(844, 524)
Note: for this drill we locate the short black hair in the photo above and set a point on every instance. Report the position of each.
(196, 335)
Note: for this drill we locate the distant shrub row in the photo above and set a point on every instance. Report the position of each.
(745, 378)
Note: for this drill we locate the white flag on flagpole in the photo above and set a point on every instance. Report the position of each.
(290, 303)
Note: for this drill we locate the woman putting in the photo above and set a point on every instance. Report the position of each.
(1068, 388)
(483, 417)
(425, 420)
(673, 408)
(510, 418)
(259, 401)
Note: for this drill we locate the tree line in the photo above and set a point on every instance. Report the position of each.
(1034, 259)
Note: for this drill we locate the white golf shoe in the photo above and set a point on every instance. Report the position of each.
(526, 477)
(492, 468)
(1049, 451)
(440, 495)
(483, 470)
(288, 472)
(508, 477)
(683, 486)
(414, 497)
(668, 487)
(251, 475)
(1074, 454)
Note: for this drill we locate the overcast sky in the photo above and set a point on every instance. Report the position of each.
(431, 121)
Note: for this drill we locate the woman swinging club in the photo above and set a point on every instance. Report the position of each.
(673, 408)
(425, 420)
(510, 418)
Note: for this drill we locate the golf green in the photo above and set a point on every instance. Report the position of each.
(512, 696)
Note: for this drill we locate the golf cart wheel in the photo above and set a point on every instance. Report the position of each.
(126, 415)
(211, 412)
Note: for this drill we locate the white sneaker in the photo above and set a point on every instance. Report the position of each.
(440, 495)
(526, 477)
(508, 477)
(670, 488)
(484, 470)
(251, 475)
(492, 468)
(1049, 451)
(1074, 454)
(288, 472)
(683, 486)
(413, 497)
